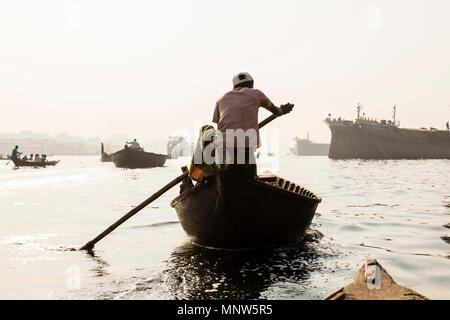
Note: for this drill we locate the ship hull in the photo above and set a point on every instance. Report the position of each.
(387, 142)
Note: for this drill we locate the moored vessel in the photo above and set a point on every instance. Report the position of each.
(306, 147)
(370, 139)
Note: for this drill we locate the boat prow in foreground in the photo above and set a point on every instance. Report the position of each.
(23, 163)
(231, 213)
(372, 282)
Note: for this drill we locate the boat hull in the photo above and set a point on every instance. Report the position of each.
(229, 213)
(23, 163)
(133, 159)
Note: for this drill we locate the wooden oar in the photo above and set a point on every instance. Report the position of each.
(286, 108)
(90, 245)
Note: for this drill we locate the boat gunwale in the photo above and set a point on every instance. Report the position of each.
(200, 186)
(148, 153)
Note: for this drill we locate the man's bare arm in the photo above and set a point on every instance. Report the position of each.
(283, 109)
(274, 109)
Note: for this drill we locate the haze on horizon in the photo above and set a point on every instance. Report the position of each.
(150, 68)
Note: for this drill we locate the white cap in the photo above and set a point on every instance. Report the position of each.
(241, 78)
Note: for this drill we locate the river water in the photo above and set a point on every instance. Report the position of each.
(395, 211)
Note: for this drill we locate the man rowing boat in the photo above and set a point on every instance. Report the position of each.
(15, 153)
(134, 145)
(237, 136)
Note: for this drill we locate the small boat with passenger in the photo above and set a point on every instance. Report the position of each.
(229, 212)
(24, 163)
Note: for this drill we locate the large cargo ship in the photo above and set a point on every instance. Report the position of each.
(305, 147)
(370, 139)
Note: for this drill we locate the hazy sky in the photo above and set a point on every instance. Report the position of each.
(147, 68)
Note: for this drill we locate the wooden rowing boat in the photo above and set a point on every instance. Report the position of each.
(232, 213)
(23, 163)
(372, 282)
(133, 159)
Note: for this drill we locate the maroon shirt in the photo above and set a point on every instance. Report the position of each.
(238, 109)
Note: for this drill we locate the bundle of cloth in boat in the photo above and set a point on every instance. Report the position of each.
(209, 159)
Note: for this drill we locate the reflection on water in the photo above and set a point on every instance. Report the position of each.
(197, 273)
(446, 239)
(395, 211)
(156, 225)
(100, 265)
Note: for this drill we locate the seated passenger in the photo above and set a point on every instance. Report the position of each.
(37, 158)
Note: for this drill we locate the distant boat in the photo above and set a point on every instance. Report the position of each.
(178, 147)
(305, 147)
(4, 158)
(105, 157)
(137, 158)
(23, 163)
(369, 139)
